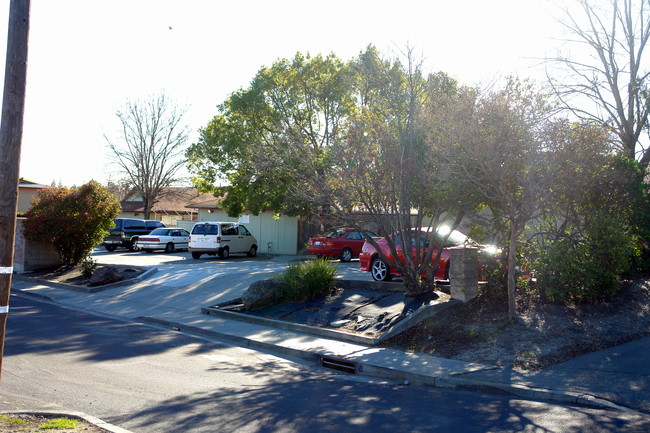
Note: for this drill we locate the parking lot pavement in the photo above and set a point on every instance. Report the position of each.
(234, 263)
(206, 281)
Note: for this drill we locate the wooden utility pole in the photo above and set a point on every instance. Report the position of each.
(11, 134)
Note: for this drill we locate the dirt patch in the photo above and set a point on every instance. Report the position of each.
(73, 274)
(29, 423)
(543, 335)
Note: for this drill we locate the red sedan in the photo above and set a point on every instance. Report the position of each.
(344, 243)
(382, 270)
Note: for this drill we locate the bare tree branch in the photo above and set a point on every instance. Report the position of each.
(150, 149)
(612, 79)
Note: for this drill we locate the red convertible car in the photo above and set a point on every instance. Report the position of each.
(343, 243)
(383, 270)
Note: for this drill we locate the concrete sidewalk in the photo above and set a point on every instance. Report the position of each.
(616, 378)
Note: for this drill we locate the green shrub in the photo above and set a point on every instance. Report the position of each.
(88, 266)
(309, 280)
(588, 268)
(74, 220)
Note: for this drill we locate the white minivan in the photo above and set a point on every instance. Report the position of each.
(221, 238)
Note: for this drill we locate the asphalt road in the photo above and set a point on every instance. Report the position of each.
(152, 380)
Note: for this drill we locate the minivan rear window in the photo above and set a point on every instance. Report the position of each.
(205, 229)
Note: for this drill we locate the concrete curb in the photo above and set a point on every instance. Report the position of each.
(290, 326)
(237, 340)
(422, 313)
(79, 415)
(405, 376)
(537, 394)
(146, 274)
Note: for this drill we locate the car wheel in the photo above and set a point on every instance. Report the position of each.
(196, 255)
(133, 246)
(380, 270)
(224, 253)
(110, 248)
(346, 255)
(253, 251)
(169, 248)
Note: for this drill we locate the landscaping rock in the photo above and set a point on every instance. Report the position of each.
(103, 276)
(261, 294)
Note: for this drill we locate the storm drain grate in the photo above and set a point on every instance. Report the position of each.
(339, 364)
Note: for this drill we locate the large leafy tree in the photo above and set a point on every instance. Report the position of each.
(392, 169)
(271, 139)
(336, 140)
(73, 220)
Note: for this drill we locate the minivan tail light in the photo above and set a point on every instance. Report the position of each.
(218, 239)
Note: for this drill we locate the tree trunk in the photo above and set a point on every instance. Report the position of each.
(147, 207)
(512, 264)
(413, 286)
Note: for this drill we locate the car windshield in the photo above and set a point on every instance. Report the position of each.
(455, 237)
(160, 232)
(414, 236)
(334, 233)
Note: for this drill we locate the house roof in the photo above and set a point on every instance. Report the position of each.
(204, 201)
(24, 183)
(174, 200)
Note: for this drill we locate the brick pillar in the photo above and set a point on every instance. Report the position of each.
(463, 273)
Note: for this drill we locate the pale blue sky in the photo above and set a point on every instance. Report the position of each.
(87, 57)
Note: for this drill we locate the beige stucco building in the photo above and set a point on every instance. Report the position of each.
(27, 190)
(183, 207)
(274, 234)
